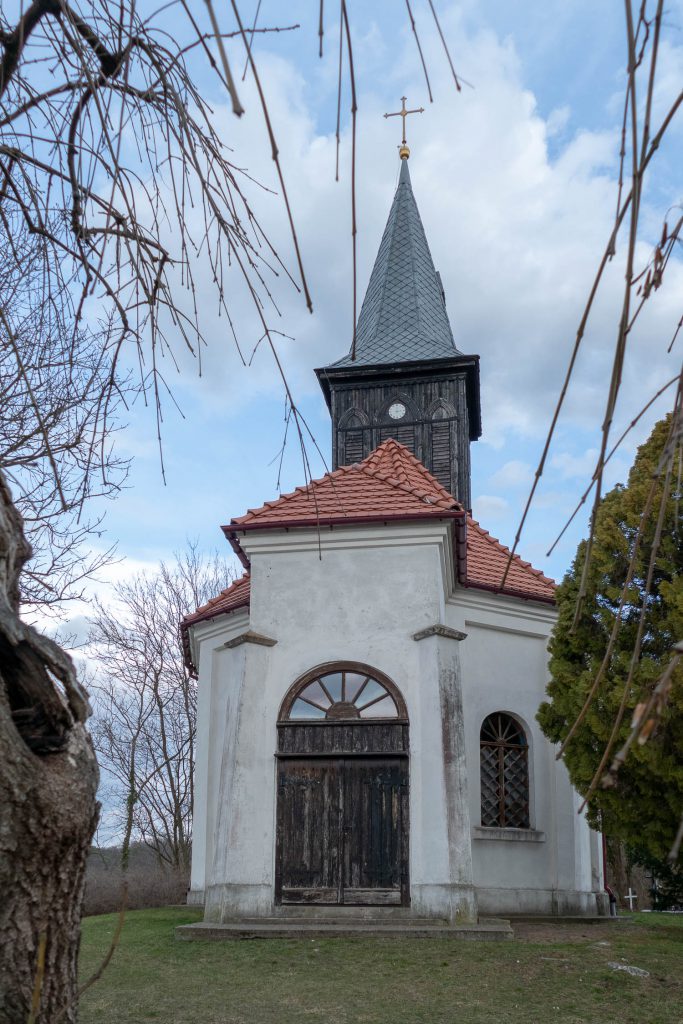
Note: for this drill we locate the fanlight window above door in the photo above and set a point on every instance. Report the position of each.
(342, 694)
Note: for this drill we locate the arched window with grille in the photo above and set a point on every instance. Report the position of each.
(504, 760)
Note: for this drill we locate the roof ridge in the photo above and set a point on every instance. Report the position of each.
(411, 489)
(391, 444)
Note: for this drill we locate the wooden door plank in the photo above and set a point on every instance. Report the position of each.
(312, 896)
(373, 829)
(308, 826)
(372, 897)
(342, 821)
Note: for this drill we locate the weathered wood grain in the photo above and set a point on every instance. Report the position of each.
(342, 816)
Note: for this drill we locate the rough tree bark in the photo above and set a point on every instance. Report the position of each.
(48, 809)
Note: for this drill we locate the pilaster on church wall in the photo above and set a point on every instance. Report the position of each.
(217, 678)
(440, 829)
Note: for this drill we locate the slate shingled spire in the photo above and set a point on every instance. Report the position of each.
(403, 317)
(408, 381)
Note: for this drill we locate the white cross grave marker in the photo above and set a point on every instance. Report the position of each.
(631, 897)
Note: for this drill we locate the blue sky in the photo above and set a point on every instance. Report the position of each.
(515, 179)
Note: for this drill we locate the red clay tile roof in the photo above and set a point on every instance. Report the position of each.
(391, 484)
(486, 561)
(235, 596)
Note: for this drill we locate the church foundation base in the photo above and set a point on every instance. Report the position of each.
(446, 905)
(493, 930)
(232, 900)
(542, 902)
(456, 904)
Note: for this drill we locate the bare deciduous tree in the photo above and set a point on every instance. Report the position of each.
(65, 373)
(111, 164)
(111, 158)
(145, 702)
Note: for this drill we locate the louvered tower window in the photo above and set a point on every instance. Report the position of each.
(353, 447)
(441, 449)
(504, 759)
(404, 433)
(352, 441)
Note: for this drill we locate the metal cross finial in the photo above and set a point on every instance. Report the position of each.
(403, 113)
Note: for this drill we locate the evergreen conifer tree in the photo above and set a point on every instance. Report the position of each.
(644, 806)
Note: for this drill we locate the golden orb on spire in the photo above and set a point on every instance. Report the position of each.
(403, 152)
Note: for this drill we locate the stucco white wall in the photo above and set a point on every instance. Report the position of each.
(359, 594)
(557, 865)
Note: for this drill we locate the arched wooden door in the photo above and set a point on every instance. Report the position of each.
(342, 800)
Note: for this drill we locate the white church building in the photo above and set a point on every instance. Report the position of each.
(367, 691)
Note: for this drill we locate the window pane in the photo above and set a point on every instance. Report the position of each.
(300, 709)
(500, 728)
(490, 791)
(354, 681)
(333, 683)
(384, 708)
(489, 730)
(370, 691)
(315, 692)
(516, 733)
(504, 773)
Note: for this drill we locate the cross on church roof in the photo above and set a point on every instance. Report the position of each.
(404, 152)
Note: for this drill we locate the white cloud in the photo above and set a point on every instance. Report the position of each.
(516, 228)
(513, 474)
(572, 466)
(489, 507)
(74, 624)
(669, 78)
(558, 120)
(517, 238)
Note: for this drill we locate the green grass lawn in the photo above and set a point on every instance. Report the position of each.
(553, 975)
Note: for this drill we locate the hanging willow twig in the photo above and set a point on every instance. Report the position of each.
(354, 110)
(644, 147)
(634, 422)
(419, 50)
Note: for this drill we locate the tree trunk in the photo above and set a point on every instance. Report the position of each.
(48, 809)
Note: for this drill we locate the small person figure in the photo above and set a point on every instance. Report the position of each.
(612, 901)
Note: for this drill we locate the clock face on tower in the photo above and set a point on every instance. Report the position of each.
(397, 411)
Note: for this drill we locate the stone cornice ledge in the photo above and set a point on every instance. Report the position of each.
(249, 638)
(515, 835)
(439, 630)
